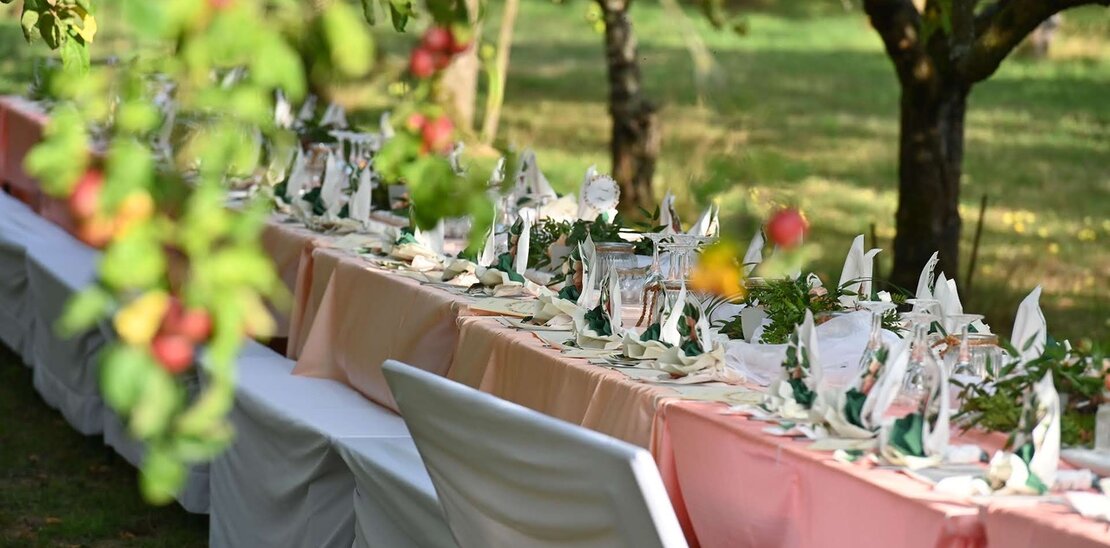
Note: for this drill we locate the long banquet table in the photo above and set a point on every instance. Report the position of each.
(731, 483)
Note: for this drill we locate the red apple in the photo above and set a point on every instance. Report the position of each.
(422, 64)
(787, 227)
(458, 46)
(415, 122)
(195, 324)
(220, 4)
(173, 352)
(437, 39)
(437, 134)
(441, 60)
(84, 201)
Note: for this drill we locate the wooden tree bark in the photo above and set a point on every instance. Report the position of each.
(939, 56)
(634, 143)
(496, 98)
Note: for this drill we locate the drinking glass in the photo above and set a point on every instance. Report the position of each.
(922, 371)
(875, 340)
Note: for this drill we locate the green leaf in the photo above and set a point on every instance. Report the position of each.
(399, 12)
(162, 475)
(83, 311)
(123, 374)
(368, 11)
(349, 41)
(157, 402)
(137, 117)
(136, 260)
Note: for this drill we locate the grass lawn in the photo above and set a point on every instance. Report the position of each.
(804, 109)
(59, 488)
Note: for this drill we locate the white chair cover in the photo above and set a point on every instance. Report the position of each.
(509, 476)
(395, 502)
(281, 483)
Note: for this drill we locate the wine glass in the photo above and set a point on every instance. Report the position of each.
(875, 340)
(963, 366)
(921, 372)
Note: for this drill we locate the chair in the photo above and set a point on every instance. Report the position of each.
(509, 476)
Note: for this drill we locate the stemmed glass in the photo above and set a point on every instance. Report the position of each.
(653, 282)
(963, 366)
(875, 341)
(922, 369)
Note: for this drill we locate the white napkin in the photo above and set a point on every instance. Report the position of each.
(1045, 435)
(335, 179)
(520, 264)
(283, 111)
(497, 176)
(935, 434)
(886, 389)
(668, 331)
(589, 273)
(1029, 327)
(455, 158)
(754, 255)
(925, 280)
(530, 181)
(668, 217)
(488, 256)
(432, 239)
(807, 340)
(334, 116)
(308, 109)
(709, 224)
(360, 203)
(614, 310)
(298, 177)
(857, 266)
(385, 126)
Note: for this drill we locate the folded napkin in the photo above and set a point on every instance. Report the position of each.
(1030, 331)
(308, 109)
(555, 311)
(524, 241)
(1031, 468)
(754, 255)
(857, 271)
(596, 328)
(488, 256)
(530, 181)
(385, 126)
(335, 116)
(497, 176)
(283, 111)
(920, 439)
(587, 254)
(705, 367)
(431, 239)
(948, 299)
(360, 202)
(455, 158)
(793, 394)
(709, 224)
(335, 181)
(298, 177)
(925, 280)
(668, 217)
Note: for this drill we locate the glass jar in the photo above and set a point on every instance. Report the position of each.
(612, 257)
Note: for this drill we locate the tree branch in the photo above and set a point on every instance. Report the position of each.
(899, 25)
(1002, 26)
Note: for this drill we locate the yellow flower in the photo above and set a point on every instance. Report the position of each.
(1042, 232)
(1054, 248)
(1019, 227)
(1086, 234)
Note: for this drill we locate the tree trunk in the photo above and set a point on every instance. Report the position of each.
(931, 150)
(496, 95)
(635, 133)
(460, 80)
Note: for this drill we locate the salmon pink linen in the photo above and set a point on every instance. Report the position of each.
(21, 127)
(743, 487)
(1032, 526)
(367, 316)
(288, 247)
(316, 265)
